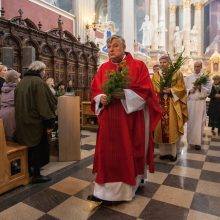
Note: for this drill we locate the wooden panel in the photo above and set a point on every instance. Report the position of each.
(89, 119)
(60, 71)
(86, 108)
(69, 128)
(72, 73)
(2, 152)
(65, 57)
(49, 66)
(13, 164)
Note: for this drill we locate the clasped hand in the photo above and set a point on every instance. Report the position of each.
(118, 95)
(103, 99)
(167, 90)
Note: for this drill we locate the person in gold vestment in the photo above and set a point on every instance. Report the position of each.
(173, 101)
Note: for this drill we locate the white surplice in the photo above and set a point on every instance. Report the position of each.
(196, 105)
(119, 191)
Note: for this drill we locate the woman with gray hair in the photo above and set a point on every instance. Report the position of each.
(214, 105)
(35, 107)
(7, 111)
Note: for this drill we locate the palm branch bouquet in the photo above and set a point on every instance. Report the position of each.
(202, 80)
(217, 88)
(173, 67)
(117, 80)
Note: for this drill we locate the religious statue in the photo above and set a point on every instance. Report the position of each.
(193, 40)
(148, 31)
(178, 40)
(161, 34)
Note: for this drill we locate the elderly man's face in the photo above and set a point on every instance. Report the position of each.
(197, 67)
(164, 64)
(116, 50)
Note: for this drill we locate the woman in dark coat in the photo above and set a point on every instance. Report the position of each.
(214, 106)
(35, 107)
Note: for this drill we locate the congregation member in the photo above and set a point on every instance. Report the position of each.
(35, 107)
(156, 68)
(214, 105)
(196, 104)
(174, 111)
(124, 140)
(3, 71)
(7, 110)
(50, 83)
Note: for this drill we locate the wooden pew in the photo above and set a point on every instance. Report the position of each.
(13, 163)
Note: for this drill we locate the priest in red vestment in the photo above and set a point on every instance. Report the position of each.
(124, 139)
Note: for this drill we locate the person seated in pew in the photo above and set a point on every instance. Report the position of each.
(7, 111)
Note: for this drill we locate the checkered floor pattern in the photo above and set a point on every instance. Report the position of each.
(188, 189)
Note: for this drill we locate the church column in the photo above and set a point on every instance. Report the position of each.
(162, 9)
(172, 26)
(154, 20)
(147, 3)
(162, 20)
(128, 30)
(115, 13)
(198, 24)
(186, 25)
(83, 10)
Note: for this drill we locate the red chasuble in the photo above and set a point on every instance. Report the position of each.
(120, 145)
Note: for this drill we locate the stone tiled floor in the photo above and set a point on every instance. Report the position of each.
(188, 189)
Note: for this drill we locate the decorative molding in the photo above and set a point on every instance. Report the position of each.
(186, 3)
(198, 6)
(172, 9)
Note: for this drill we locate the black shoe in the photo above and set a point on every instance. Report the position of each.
(93, 198)
(41, 179)
(172, 158)
(164, 157)
(103, 202)
(197, 147)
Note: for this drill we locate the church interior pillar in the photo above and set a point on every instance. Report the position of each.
(115, 13)
(147, 5)
(162, 26)
(84, 11)
(128, 30)
(198, 24)
(172, 26)
(154, 20)
(186, 25)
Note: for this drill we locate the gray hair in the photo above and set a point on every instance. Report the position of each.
(164, 57)
(198, 62)
(110, 39)
(12, 76)
(37, 66)
(216, 77)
